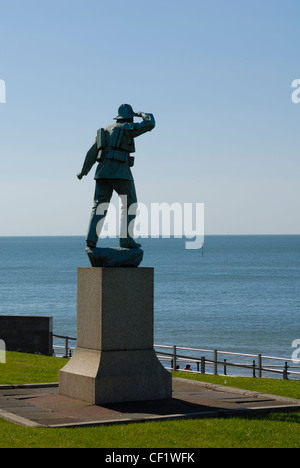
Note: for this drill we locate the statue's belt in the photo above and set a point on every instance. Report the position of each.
(113, 148)
(114, 153)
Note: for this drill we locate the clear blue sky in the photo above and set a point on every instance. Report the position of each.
(216, 74)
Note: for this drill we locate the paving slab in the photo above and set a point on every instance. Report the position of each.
(43, 406)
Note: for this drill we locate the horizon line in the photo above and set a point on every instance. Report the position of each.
(149, 237)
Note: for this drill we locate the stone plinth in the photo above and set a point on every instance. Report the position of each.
(115, 360)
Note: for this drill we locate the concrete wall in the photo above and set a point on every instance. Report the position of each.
(27, 334)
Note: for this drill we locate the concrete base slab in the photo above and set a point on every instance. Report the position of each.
(45, 407)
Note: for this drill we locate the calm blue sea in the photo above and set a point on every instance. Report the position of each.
(241, 294)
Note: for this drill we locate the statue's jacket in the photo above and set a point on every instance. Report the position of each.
(113, 147)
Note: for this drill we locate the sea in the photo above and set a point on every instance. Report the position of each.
(237, 294)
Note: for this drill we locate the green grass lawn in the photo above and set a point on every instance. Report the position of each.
(21, 368)
(280, 387)
(277, 430)
(273, 431)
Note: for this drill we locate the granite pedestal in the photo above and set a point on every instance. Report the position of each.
(115, 360)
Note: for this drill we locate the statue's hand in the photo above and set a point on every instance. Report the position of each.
(79, 176)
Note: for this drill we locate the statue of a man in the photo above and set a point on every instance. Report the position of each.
(112, 150)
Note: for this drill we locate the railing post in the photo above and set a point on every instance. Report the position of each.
(285, 371)
(174, 358)
(259, 366)
(215, 362)
(202, 364)
(254, 366)
(225, 367)
(66, 347)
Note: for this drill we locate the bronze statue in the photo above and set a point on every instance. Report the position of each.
(112, 150)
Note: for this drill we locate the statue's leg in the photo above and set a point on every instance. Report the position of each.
(126, 191)
(103, 194)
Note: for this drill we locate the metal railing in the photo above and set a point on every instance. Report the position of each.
(63, 348)
(211, 365)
